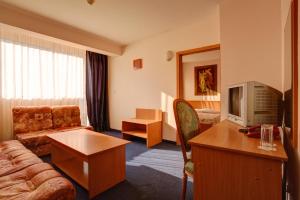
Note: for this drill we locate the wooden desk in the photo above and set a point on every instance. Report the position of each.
(94, 160)
(229, 166)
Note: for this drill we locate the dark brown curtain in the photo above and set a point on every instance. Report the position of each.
(96, 90)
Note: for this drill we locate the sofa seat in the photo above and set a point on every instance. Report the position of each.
(23, 176)
(34, 138)
(72, 128)
(40, 137)
(32, 124)
(39, 143)
(14, 157)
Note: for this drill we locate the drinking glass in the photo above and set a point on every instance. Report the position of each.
(266, 139)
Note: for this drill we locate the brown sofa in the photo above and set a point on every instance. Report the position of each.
(24, 176)
(31, 125)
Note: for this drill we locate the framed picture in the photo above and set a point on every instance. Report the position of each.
(206, 80)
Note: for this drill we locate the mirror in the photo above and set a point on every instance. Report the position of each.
(201, 79)
(198, 77)
(198, 82)
(288, 101)
(291, 102)
(291, 76)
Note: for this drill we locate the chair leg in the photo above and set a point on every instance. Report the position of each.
(184, 182)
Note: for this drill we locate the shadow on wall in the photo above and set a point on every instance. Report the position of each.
(169, 124)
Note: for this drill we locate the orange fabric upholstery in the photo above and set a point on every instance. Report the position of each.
(33, 124)
(30, 119)
(37, 142)
(23, 176)
(66, 116)
(33, 139)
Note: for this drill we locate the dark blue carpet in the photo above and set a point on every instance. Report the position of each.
(151, 174)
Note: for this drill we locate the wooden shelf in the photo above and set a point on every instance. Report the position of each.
(75, 169)
(140, 134)
(140, 121)
(147, 124)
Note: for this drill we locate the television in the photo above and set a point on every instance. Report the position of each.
(253, 103)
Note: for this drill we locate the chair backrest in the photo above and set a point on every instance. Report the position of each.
(187, 122)
(153, 114)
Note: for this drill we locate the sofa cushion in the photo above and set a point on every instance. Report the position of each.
(23, 176)
(15, 157)
(66, 116)
(31, 118)
(38, 181)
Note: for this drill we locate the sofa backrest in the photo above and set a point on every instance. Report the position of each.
(65, 116)
(31, 118)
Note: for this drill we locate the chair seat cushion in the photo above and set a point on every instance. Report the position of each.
(189, 167)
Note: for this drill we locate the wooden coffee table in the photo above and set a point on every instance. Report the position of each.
(94, 160)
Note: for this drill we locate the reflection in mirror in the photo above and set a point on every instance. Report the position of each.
(201, 79)
(290, 186)
(288, 75)
(198, 82)
(202, 85)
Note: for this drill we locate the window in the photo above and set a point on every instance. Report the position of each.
(37, 70)
(35, 73)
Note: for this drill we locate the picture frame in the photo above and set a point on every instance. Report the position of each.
(206, 80)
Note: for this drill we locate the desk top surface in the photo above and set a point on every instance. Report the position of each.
(86, 142)
(226, 136)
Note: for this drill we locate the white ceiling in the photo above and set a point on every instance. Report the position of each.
(123, 21)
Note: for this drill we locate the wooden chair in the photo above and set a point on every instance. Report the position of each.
(188, 126)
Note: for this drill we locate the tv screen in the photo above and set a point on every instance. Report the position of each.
(235, 100)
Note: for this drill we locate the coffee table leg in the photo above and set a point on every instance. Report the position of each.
(106, 169)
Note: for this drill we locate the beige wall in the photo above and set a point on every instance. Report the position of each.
(189, 80)
(251, 45)
(154, 86)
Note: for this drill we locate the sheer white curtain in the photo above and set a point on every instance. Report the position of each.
(35, 71)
